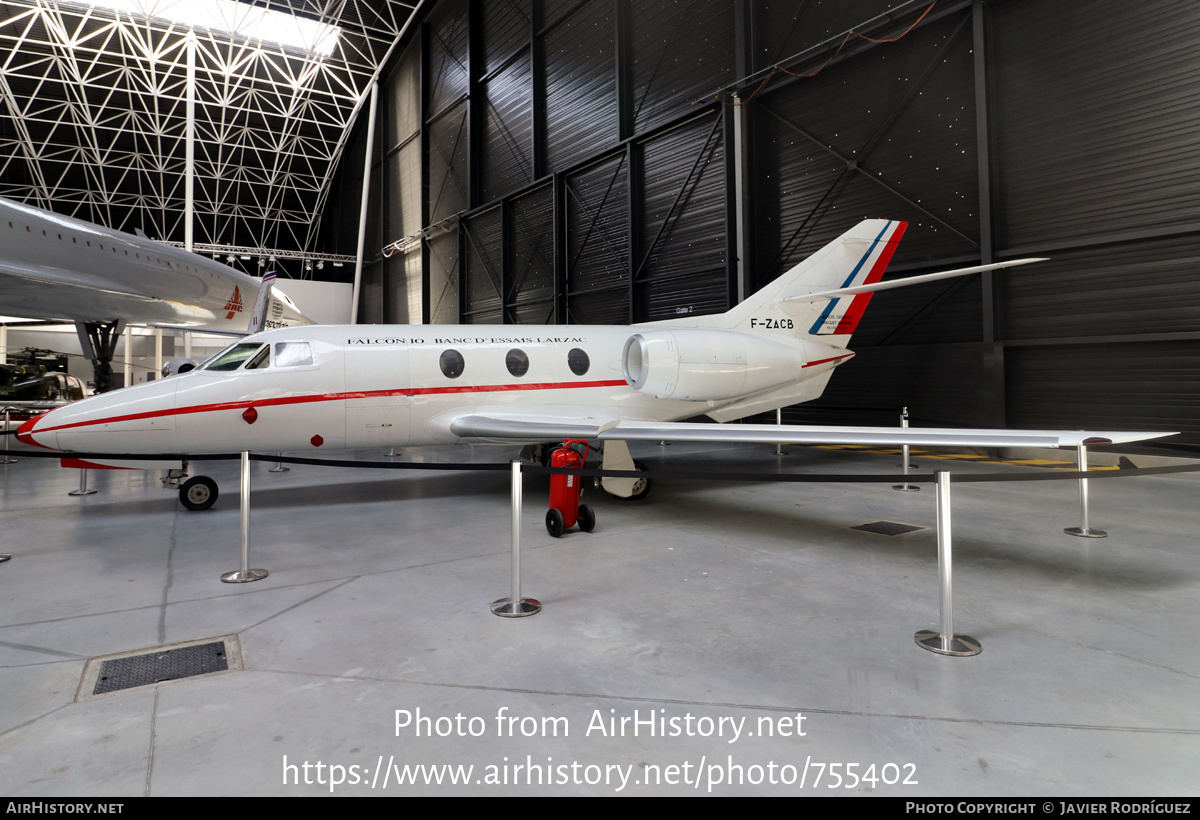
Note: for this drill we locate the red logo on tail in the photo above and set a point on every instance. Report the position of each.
(234, 305)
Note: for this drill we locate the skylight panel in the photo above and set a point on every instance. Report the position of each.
(237, 18)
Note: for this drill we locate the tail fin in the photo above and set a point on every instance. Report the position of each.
(857, 257)
(273, 308)
(259, 316)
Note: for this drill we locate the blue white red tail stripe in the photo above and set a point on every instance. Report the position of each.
(842, 314)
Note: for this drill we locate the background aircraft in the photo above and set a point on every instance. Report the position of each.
(358, 386)
(57, 267)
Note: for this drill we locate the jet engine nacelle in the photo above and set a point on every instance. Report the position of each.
(699, 364)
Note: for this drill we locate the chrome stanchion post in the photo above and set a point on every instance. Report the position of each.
(944, 641)
(1083, 530)
(905, 487)
(83, 487)
(6, 459)
(279, 468)
(779, 421)
(245, 574)
(516, 606)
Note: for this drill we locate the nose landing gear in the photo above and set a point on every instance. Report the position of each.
(198, 493)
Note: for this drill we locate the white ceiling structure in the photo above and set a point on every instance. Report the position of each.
(94, 104)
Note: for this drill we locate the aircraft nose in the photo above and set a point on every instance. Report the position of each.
(110, 422)
(27, 434)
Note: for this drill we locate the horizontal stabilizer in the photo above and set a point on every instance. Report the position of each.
(911, 280)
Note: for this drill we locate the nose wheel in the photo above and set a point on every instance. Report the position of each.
(198, 493)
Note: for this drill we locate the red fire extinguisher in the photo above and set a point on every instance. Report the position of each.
(565, 489)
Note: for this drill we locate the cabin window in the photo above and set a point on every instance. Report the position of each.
(231, 358)
(261, 360)
(293, 354)
(578, 361)
(452, 364)
(517, 362)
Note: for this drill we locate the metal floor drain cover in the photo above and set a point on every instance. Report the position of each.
(887, 528)
(159, 665)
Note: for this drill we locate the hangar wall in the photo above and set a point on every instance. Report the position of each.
(573, 161)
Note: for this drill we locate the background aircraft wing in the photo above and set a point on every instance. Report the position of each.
(547, 428)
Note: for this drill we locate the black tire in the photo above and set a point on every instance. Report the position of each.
(555, 523)
(642, 488)
(586, 518)
(198, 493)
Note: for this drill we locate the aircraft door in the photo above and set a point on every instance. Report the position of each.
(377, 407)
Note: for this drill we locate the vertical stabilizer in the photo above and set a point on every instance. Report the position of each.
(858, 257)
(259, 316)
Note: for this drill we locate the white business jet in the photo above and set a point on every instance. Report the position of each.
(57, 267)
(320, 388)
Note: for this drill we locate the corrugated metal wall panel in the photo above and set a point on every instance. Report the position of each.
(939, 312)
(443, 278)
(1140, 287)
(448, 27)
(532, 279)
(682, 50)
(373, 303)
(506, 27)
(449, 186)
(409, 182)
(508, 131)
(687, 261)
(1144, 385)
(598, 230)
(581, 87)
(910, 126)
(600, 308)
(938, 383)
(403, 281)
(792, 27)
(482, 301)
(401, 101)
(1098, 112)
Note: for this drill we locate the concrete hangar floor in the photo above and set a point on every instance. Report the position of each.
(709, 618)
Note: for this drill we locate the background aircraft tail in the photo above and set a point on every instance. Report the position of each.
(274, 309)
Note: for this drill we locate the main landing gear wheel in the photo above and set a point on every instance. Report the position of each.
(586, 518)
(198, 493)
(641, 487)
(555, 524)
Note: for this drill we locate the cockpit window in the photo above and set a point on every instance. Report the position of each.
(293, 354)
(232, 357)
(261, 359)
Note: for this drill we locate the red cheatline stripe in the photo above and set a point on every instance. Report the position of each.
(366, 394)
(831, 359)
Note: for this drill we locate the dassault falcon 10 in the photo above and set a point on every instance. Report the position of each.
(320, 388)
(57, 267)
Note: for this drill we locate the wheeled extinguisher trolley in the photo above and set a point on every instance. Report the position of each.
(565, 490)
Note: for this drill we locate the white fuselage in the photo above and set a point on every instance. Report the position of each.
(383, 386)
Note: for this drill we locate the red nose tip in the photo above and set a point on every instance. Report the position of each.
(24, 433)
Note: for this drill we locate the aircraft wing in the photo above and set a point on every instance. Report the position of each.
(544, 428)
